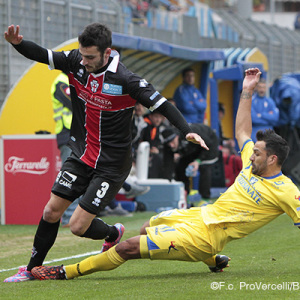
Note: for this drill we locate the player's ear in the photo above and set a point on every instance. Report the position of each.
(273, 159)
(107, 53)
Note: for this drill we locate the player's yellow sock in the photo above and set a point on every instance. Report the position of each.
(211, 262)
(105, 261)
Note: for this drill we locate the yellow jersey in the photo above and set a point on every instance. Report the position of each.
(250, 203)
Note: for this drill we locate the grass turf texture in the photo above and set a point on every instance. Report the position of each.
(268, 256)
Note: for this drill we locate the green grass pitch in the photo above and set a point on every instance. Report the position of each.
(262, 266)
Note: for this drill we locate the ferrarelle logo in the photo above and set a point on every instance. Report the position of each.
(18, 165)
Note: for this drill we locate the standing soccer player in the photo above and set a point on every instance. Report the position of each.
(103, 94)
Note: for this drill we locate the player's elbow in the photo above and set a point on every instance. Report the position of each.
(241, 138)
(238, 134)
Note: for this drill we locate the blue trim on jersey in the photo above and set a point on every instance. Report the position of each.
(271, 177)
(151, 245)
(167, 228)
(247, 141)
(297, 224)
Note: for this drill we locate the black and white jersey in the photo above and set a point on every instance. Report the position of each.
(102, 108)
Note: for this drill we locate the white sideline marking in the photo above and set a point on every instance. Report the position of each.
(58, 259)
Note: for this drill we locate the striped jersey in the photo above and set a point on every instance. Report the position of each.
(103, 104)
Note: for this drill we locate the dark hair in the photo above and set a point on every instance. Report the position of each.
(221, 107)
(96, 34)
(275, 144)
(186, 70)
(169, 134)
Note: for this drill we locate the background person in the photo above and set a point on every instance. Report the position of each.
(152, 134)
(264, 112)
(138, 124)
(189, 99)
(195, 157)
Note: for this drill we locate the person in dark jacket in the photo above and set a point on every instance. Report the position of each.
(189, 156)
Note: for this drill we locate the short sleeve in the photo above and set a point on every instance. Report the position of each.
(246, 152)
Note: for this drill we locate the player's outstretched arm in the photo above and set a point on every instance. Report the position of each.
(12, 35)
(243, 122)
(27, 48)
(176, 118)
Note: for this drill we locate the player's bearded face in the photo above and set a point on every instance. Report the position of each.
(259, 159)
(92, 59)
(259, 167)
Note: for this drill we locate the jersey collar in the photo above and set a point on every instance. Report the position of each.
(114, 64)
(112, 67)
(272, 177)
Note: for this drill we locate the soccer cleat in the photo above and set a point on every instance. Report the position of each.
(49, 273)
(107, 245)
(221, 263)
(22, 275)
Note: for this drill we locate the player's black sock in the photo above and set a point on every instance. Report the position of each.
(99, 230)
(44, 239)
(113, 235)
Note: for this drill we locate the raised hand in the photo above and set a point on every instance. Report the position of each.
(12, 35)
(251, 79)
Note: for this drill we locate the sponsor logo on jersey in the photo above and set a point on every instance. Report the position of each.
(172, 246)
(18, 165)
(143, 83)
(279, 182)
(249, 189)
(297, 197)
(96, 100)
(112, 89)
(94, 86)
(66, 179)
(253, 180)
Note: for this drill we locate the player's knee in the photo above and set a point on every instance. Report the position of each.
(129, 249)
(50, 215)
(77, 228)
(143, 228)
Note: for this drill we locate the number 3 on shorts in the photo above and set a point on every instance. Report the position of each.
(101, 192)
